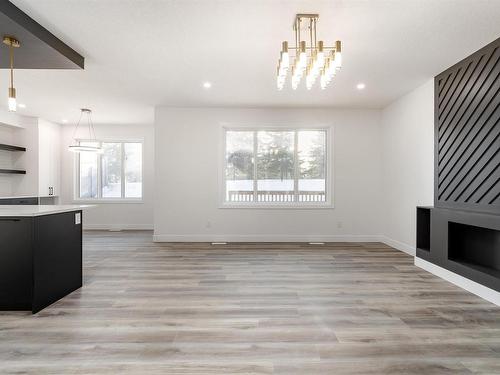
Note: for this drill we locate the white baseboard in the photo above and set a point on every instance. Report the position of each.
(408, 249)
(263, 238)
(471, 286)
(117, 227)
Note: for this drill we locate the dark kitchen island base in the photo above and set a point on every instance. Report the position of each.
(40, 259)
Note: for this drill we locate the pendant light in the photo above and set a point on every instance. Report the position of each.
(12, 43)
(76, 147)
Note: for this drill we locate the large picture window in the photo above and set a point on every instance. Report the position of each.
(276, 167)
(116, 174)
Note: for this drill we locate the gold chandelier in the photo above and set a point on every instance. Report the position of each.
(312, 60)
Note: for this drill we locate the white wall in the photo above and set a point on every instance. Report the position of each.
(26, 185)
(187, 155)
(407, 160)
(20, 131)
(49, 161)
(12, 119)
(6, 136)
(113, 215)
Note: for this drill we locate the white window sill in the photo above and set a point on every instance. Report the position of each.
(110, 201)
(280, 206)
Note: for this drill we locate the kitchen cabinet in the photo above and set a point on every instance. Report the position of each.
(49, 160)
(40, 255)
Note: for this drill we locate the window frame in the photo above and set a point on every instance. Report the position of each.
(329, 170)
(99, 198)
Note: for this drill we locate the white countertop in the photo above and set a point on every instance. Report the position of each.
(34, 210)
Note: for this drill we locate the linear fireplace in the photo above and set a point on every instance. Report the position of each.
(475, 247)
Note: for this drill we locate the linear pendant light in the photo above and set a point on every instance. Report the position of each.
(12, 43)
(77, 147)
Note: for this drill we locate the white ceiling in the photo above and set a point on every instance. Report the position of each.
(140, 53)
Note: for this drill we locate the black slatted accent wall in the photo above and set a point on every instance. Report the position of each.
(467, 132)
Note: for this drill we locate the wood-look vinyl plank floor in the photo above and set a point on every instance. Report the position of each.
(190, 308)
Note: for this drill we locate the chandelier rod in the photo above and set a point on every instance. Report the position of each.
(77, 125)
(92, 124)
(11, 57)
(298, 28)
(311, 31)
(295, 30)
(315, 41)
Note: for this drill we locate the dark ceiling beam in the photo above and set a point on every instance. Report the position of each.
(32, 31)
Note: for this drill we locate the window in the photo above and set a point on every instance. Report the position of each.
(276, 168)
(113, 175)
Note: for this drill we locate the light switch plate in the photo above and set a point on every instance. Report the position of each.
(78, 218)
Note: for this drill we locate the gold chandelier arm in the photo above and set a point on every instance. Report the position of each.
(297, 48)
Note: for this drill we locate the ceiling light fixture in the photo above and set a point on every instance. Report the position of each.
(314, 60)
(207, 85)
(12, 43)
(21, 105)
(77, 147)
(360, 86)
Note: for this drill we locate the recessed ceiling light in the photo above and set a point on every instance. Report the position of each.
(207, 85)
(64, 120)
(360, 86)
(21, 105)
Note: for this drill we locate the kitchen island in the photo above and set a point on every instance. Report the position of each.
(40, 254)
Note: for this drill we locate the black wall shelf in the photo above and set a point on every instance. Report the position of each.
(11, 147)
(12, 171)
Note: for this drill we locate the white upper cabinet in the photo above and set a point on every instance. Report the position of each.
(49, 161)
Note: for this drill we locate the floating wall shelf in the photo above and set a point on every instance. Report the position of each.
(12, 171)
(11, 148)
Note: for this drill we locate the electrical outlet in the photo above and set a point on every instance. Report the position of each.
(339, 224)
